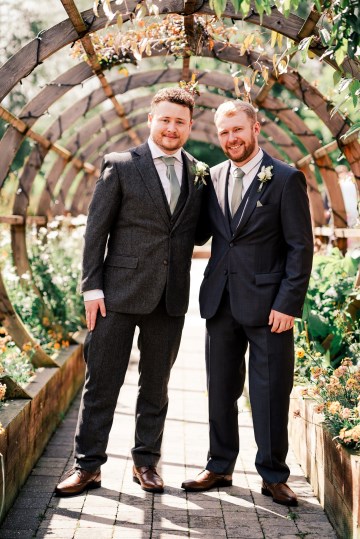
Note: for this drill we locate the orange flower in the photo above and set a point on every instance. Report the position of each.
(319, 408)
(300, 352)
(57, 346)
(340, 371)
(316, 372)
(27, 346)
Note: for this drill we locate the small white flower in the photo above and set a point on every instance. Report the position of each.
(200, 169)
(264, 175)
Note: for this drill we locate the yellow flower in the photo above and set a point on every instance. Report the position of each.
(300, 352)
(2, 391)
(334, 407)
(3, 331)
(27, 347)
(351, 383)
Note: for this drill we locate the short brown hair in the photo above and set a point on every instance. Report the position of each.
(230, 108)
(174, 95)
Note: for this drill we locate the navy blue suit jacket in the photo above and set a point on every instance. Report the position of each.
(266, 260)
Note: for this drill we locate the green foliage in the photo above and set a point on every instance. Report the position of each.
(54, 255)
(331, 312)
(13, 362)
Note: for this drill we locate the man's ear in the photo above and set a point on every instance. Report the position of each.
(257, 128)
(149, 119)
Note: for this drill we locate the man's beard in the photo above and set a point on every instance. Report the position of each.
(246, 152)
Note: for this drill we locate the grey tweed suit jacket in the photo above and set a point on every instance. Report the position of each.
(134, 249)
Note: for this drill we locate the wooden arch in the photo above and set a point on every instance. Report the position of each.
(78, 157)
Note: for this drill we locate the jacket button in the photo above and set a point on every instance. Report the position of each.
(165, 262)
(231, 244)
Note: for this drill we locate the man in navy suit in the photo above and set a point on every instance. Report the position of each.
(257, 212)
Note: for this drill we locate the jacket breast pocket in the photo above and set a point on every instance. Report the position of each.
(122, 261)
(266, 208)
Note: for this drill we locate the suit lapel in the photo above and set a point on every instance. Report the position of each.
(254, 195)
(189, 175)
(145, 165)
(219, 184)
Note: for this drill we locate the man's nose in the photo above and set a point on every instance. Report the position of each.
(232, 136)
(171, 126)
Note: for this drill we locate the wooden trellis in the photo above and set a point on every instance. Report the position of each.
(123, 125)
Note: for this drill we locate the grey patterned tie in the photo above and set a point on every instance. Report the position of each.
(237, 191)
(174, 182)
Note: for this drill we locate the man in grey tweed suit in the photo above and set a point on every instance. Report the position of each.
(136, 272)
(253, 287)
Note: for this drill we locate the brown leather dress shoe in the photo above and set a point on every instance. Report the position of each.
(280, 492)
(148, 478)
(77, 481)
(207, 480)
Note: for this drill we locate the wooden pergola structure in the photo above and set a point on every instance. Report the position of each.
(120, 122)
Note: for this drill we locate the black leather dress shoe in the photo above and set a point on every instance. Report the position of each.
(77, 481)
(207, 480)
(280, 492)
(148, 478)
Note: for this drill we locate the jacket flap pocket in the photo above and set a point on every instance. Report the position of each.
(268, 278)
(121, 261)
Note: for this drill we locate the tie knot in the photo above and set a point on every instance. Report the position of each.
(169, 161)
(238, 173)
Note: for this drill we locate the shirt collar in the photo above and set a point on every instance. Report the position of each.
(157, 152)
(250, 164)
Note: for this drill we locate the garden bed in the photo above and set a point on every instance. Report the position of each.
(332, 470)
(29, 423)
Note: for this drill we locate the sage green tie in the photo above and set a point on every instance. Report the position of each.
(237, 191)
(174, 182)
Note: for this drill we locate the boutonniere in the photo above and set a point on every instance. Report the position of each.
(200, 170)
(264, 176)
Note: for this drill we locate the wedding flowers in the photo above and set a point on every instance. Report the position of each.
(200, 169)
(264, 176)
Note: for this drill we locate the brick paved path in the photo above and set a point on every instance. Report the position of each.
(121, 510)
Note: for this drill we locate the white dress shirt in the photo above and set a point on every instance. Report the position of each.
(250, 170)
(160, 166)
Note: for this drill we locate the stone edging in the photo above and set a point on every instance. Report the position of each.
(332, 470)
(29, 423)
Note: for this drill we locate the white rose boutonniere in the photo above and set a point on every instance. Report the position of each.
(200, 170)
(264, 175)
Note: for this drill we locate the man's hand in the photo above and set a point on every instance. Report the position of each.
(91, 309)
(280, 322)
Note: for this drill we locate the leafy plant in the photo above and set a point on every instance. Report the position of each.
(54, 255)
(332, 308)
